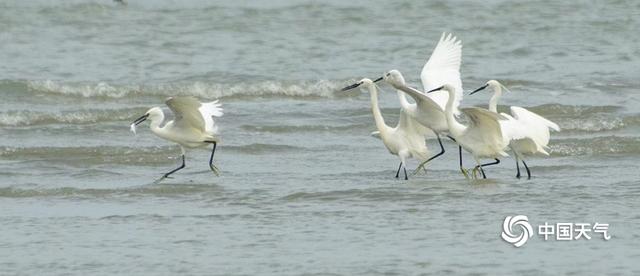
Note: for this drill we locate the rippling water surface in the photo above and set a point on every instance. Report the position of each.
(304, 188)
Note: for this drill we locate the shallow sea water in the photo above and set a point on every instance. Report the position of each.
(304, 188)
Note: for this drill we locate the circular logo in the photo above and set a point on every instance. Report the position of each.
(521, 222)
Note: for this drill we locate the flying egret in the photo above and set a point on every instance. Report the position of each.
(406, 140)
(442, 67)
(527, 132)
(482, 137)
(192, 127)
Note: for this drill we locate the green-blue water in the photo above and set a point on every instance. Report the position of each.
(304, 188)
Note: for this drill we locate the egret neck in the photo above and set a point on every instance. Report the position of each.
(493, 102)
(456, 129)
(375, 109)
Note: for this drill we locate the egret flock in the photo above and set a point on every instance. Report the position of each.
(432, 112)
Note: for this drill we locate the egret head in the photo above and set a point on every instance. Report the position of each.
(153, 114)
(394, 77)
(363, 82)
(493, 84)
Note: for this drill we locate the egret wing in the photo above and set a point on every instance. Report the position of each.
(443, 67)
(536, 126)
(522, 114)
(208, 111)
(511, 128)
(185, 109)
(420, 97)
(485, 125)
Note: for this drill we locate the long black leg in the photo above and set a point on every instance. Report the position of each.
(176, 169)
(405, 173)
(211, 158)
(528, 171)
(398, 172)
(485, 165)
(517, 167)
(432, 157)
(441, 150)
(488, 164)
(462, 169)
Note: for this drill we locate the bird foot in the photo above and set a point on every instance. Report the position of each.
(465, 172)
(215, 170)
(475, 173)
(421, 166)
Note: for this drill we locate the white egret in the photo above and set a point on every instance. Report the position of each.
(425, 111)
(482, 137)
(192, 127)
(526, 132)
(443, 67)
(406, 140)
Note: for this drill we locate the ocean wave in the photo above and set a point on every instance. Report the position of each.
(258, 148)
(162, 190)
(592, 124)
(596, 146)
(320, 89)
(303, 128)
(573, 110)
(124, 155)
(29, 118)
(582, 118)
(93, 155)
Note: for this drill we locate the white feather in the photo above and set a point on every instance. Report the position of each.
(443, 67)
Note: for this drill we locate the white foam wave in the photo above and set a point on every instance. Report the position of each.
(26, 118)
(321, 88)
(596, 124)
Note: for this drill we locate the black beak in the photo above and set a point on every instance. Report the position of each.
(351, 86)
(480, 88)
(378, 79)
(437, 89)
(141, 119)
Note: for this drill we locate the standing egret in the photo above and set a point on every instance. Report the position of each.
(192, 127)
(482, 137)
(527, 132)
(406, 140)
(442, 67)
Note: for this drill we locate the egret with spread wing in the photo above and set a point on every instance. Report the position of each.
(526, 132)
(406, 140)
(443, 67)
(482, 137)
(193, 125)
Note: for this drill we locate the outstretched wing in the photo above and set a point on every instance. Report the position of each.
(208, 111)
(443, 67)
(484, 125)
(189, 112)
(536, 126)
(185, 109)
(420, 97)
